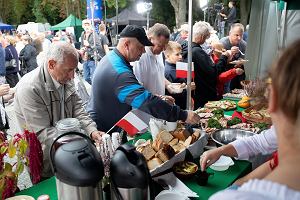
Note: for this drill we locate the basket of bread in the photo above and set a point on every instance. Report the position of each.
(169, 147)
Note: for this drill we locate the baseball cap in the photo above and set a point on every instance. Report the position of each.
(136, 32)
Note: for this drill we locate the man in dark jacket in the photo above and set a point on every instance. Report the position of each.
(115, 89)
(28, 56)
(206, 72)
(88, 47)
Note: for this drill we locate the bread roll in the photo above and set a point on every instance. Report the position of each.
(188, 141)
(166, 153)
(178, 147)
(181, 134)
(153, 163)
(148, 152)
(165, 136)
(157, 144)
(173, 142)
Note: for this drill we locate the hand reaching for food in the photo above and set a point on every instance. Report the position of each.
(4, 89)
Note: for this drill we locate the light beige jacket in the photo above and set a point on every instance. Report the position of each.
(36, 111)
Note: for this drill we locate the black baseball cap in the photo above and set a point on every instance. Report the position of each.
(136, 32)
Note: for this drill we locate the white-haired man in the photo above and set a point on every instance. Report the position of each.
(47, 95)
(206, 72)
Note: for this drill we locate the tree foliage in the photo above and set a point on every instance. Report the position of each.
(169, 12)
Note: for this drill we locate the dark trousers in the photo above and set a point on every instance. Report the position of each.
(12, 79)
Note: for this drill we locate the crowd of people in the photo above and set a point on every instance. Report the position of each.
(137, 74)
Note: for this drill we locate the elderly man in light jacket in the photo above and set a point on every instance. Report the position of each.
(47, 95)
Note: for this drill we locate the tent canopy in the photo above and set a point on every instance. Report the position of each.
(127, 16)
(5, 26)
(71, 21)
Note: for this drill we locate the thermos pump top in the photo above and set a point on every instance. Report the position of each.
(78, 168)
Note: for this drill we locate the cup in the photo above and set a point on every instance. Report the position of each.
(171, 126)
(202, 177)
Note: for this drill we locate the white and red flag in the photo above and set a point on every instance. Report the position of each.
(182, 70)
(131, 123)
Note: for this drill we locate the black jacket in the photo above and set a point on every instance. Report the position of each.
(206, 75)
(28, 55)
(11, 53)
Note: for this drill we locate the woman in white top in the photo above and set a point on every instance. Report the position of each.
(284, 100)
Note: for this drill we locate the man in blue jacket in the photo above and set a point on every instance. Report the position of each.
(115, 89)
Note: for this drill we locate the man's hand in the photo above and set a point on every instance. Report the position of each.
(192, 118)
(97, 136)
(234, 50)
(170, 100)
(228, 54)
(4, 89)
(239, 71)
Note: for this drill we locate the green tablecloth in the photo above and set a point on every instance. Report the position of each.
(217, 182)
(45, 187)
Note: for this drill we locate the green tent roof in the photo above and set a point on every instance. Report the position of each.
(71, 21)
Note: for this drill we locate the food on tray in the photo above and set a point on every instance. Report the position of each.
(148, 151)
(244, 102)
(261, 125)
(166, 145)
(213, 123)
(165, 153)
(185, 169)
(235, 94)
(234, 121)
(257, 113)
(165, 136)
(224, 104)
(181, 134)
(218, 113)
(246, 127)
(153, 163)
(237, 91)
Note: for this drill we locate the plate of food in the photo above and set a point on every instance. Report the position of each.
(238, 62)
(224, 104)
(178, 87)
(185, 169)
(257, 113)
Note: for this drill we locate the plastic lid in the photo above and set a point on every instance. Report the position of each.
(78, 163)
(68, 124)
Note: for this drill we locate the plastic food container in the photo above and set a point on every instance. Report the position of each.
(222, 164)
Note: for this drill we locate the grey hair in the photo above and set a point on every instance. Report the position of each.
(158, 30)
(239, 25)
(58, 50)
(200, 29)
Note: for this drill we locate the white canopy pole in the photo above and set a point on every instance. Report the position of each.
(189, 74)
(92, 6)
